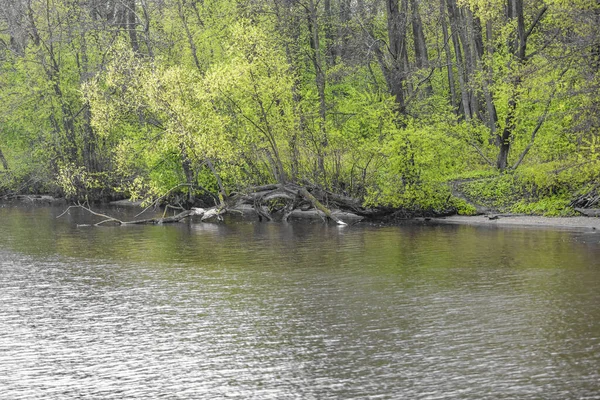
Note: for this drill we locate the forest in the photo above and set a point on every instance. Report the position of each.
(415, 105)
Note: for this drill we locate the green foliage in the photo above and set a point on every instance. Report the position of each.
(543, 189)
(497, 192)
(420, 159)
(555, 206)
(462, 207)
(217, 95)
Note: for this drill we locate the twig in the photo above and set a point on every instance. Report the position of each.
(66, 211)
(176, 218)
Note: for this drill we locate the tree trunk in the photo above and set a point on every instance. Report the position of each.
(3, 161)
(188, 34)
(509, 126)
(488, 80)
(448, 56)
(596, 46)
(315, 45)
(474, 43)
(455, 22)
(317, 204)
(188, 170)
(89, 151)
(396, 73)
(146, 27)
(331, 47)
(421, 56)
(518, 47)
(289, 26)
(130, 25)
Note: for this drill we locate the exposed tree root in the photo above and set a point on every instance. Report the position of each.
(283, 200)
(269, 202)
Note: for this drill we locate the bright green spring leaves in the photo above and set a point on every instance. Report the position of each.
(222, 94)
(238, 115)
(241, 117)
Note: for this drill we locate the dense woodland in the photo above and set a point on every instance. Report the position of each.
(410, 104)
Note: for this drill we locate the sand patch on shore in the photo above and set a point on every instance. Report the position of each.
(575, 223)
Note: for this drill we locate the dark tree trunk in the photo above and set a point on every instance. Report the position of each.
(509, 127)
(188, 170)
(89, 151)
(395, 74)
(487, 82)
(289, 25)
(448, 53)
(131, 23)
(596, 47)
(146, 27)
(181, 10)
(330, 42)
(518, 47)
(455, 23)
(3, 161)
(315, 45)
(421, 56)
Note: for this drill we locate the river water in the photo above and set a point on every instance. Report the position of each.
(295, 311)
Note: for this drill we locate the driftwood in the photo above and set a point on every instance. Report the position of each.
(589, 199)
(285, 200)
(317, 204)
(270, 202)
(205, 214)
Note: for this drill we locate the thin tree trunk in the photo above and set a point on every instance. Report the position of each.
(188, 34)
(421, 56)
(130, 25)
(596, 48)
(331, 49)
(290, 28)
(448, 55)
(189, 173)
(3, 161)
(455, 25)
(396, 73)
(90, 158)
(147, 27)
(488, 114)
(518, 48)
(474, 42)
(509, 127)
(315, 45)
(52, 69)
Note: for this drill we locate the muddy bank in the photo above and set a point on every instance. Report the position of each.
(572, 223)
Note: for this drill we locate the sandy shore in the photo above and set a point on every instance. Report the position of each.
(575, 223)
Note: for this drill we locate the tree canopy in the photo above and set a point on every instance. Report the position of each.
(400, 103)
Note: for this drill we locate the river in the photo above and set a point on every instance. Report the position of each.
(250, 310)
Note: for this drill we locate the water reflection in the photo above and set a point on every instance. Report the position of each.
(295, 311)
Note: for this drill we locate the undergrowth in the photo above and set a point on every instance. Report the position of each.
(547, 189)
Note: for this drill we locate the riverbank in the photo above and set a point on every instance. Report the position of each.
(570, 223)
(503, 220)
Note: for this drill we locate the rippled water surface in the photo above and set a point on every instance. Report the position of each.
(295, 311)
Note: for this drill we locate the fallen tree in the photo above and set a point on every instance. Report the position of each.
(205, 214)
(282, 201)
(270, 202)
